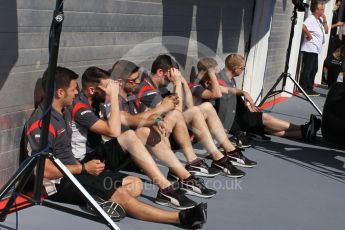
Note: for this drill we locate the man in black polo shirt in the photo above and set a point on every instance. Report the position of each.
(203, 118)
(121, 188)
(248, 116)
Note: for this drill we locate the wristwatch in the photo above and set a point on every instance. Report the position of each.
(157, 120)
(83, 169)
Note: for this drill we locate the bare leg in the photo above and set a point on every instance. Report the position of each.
(142, 211)
(292, 134)
(164, 153)
(195, 117)
(176, 123)
(133, 185)
(142, 158)
(277, 125)
(215, 126)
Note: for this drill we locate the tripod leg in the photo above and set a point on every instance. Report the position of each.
(39, 177)
(83, 192)
(306, 95)
(27, 168)
(21, 175)
(268, 95)
(6, 209)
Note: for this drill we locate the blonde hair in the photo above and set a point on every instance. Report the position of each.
(234, 61)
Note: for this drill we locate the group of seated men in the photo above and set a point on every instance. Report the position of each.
(128, 117)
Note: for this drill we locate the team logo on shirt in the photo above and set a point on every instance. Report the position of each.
(85, 112)
(60, 131)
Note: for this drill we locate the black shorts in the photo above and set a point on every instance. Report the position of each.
(112, 154)
(103, 186)
(176, 146)
(247, 120)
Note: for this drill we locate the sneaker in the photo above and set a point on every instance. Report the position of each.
(240, 140)
(200, 168)
(259, 137)
(227, 168)
(194, 217)
(310, 129)
(114, 210)
(172, 177)
(195, 186)
(237, 158)
(174, 198)
(222, 150)
(312, 93)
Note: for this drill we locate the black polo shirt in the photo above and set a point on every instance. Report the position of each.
(60, 135)
(198, 87)
(83, 118)
(129, 105)
(149, 94)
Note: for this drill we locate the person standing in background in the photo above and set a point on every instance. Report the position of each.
(314, 30)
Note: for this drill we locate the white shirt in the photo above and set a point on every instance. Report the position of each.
(316, 29)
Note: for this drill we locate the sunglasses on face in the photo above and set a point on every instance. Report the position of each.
(133, 81)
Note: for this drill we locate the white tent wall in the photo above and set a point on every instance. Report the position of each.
(278, 43)
(256, 60)
(266, 59)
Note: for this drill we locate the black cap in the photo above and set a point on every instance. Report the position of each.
(122, 69)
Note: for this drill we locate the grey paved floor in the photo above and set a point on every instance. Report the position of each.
(295, 186)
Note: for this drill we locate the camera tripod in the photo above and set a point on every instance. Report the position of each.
(286, 75)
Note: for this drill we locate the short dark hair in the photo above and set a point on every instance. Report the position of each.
(164, 62)
(63, 78)
(93, 76)
(314, 5)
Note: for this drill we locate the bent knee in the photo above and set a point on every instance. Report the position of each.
(143, 131)
(127, 138)
(134, 185)
(207, 108)
(128, 134)
(266, 117)
(175, 113)
(121, 196)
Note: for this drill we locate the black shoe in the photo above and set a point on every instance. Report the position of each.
(310, 129)
(227, 168)
(312, 93)
(237, 158)
(200, 168)
(259, 137)
(114, 210)
(174, 198)
(194, 217)
(240, 140)
(195, 186)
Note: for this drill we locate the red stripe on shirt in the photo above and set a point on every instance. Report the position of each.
(77, 107)
(37, 125)
(222, 83)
